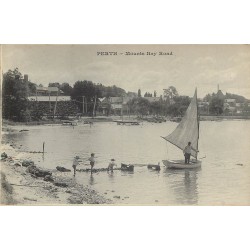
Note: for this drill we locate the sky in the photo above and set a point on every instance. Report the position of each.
(189, 66)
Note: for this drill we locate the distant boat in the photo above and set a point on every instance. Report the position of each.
(186, 131)
(69, 123)
(127, 122)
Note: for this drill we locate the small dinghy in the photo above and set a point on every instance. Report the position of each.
(125, 167)
(154, 167)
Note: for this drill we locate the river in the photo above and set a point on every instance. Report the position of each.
(224, 178)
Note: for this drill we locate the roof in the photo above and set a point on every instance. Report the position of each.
(49, 89)
(101, 99)
(115, 99)
(47, 98)
(119, 99)
(230, 100)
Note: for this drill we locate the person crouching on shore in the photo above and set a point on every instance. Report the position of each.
(111, 165)
(92, 161)
(75, 163)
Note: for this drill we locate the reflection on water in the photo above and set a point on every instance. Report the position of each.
(184, 185)
(91, 180)
(224, 177)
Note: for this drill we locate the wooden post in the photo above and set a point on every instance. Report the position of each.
(83, 105)
(122, 109)
(86, 105)
(43, 147)
(94, 107)
(55, 105)
(49, 104)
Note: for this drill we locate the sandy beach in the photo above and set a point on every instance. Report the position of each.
(20, 187)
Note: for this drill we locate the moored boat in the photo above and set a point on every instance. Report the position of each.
(127, 167)
(127, 122)
(69, 123)
(154, 167)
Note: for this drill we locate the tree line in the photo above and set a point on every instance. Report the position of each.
(16, 91)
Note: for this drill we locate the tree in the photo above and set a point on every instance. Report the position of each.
(54, 84)
(179, 107)
(170, 92)
(66, 88)
(139, 93)
(87, 89)
(155, 108)
(139, 105)
(207, 98)
(15, 92)
(216, 105)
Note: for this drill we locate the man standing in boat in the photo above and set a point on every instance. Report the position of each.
(187, 152)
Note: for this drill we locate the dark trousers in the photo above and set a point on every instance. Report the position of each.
(92, 165)
(187, 158)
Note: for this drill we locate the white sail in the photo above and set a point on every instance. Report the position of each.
(188, 129)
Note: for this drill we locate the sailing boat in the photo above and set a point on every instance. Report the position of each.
(186, 131)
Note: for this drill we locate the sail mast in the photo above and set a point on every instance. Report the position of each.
(198, 124)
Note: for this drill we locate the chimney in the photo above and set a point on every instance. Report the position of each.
(26, 78)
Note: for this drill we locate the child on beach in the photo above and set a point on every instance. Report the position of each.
(75, 163)
(92, 161)
(111, 165)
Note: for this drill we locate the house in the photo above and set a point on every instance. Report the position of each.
(113, 105)
(61, 105)
(203, 107)
(231, 102)
(49, 98)
(48, 91)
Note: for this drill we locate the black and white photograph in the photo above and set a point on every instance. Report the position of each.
(125, 125)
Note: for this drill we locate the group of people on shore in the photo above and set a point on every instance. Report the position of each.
(91, 160)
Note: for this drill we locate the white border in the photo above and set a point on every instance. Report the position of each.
(133, 22)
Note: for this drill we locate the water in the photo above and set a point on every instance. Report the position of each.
(224, 178)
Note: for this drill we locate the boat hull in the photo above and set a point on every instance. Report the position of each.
(154, 167)
(125, 167)
(180, 164)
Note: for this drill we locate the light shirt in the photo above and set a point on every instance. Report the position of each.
(112, 164)
(75, 162)
(92, 159)
(188, 149)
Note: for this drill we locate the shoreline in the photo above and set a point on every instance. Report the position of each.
(6, 123)
(20, 187)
